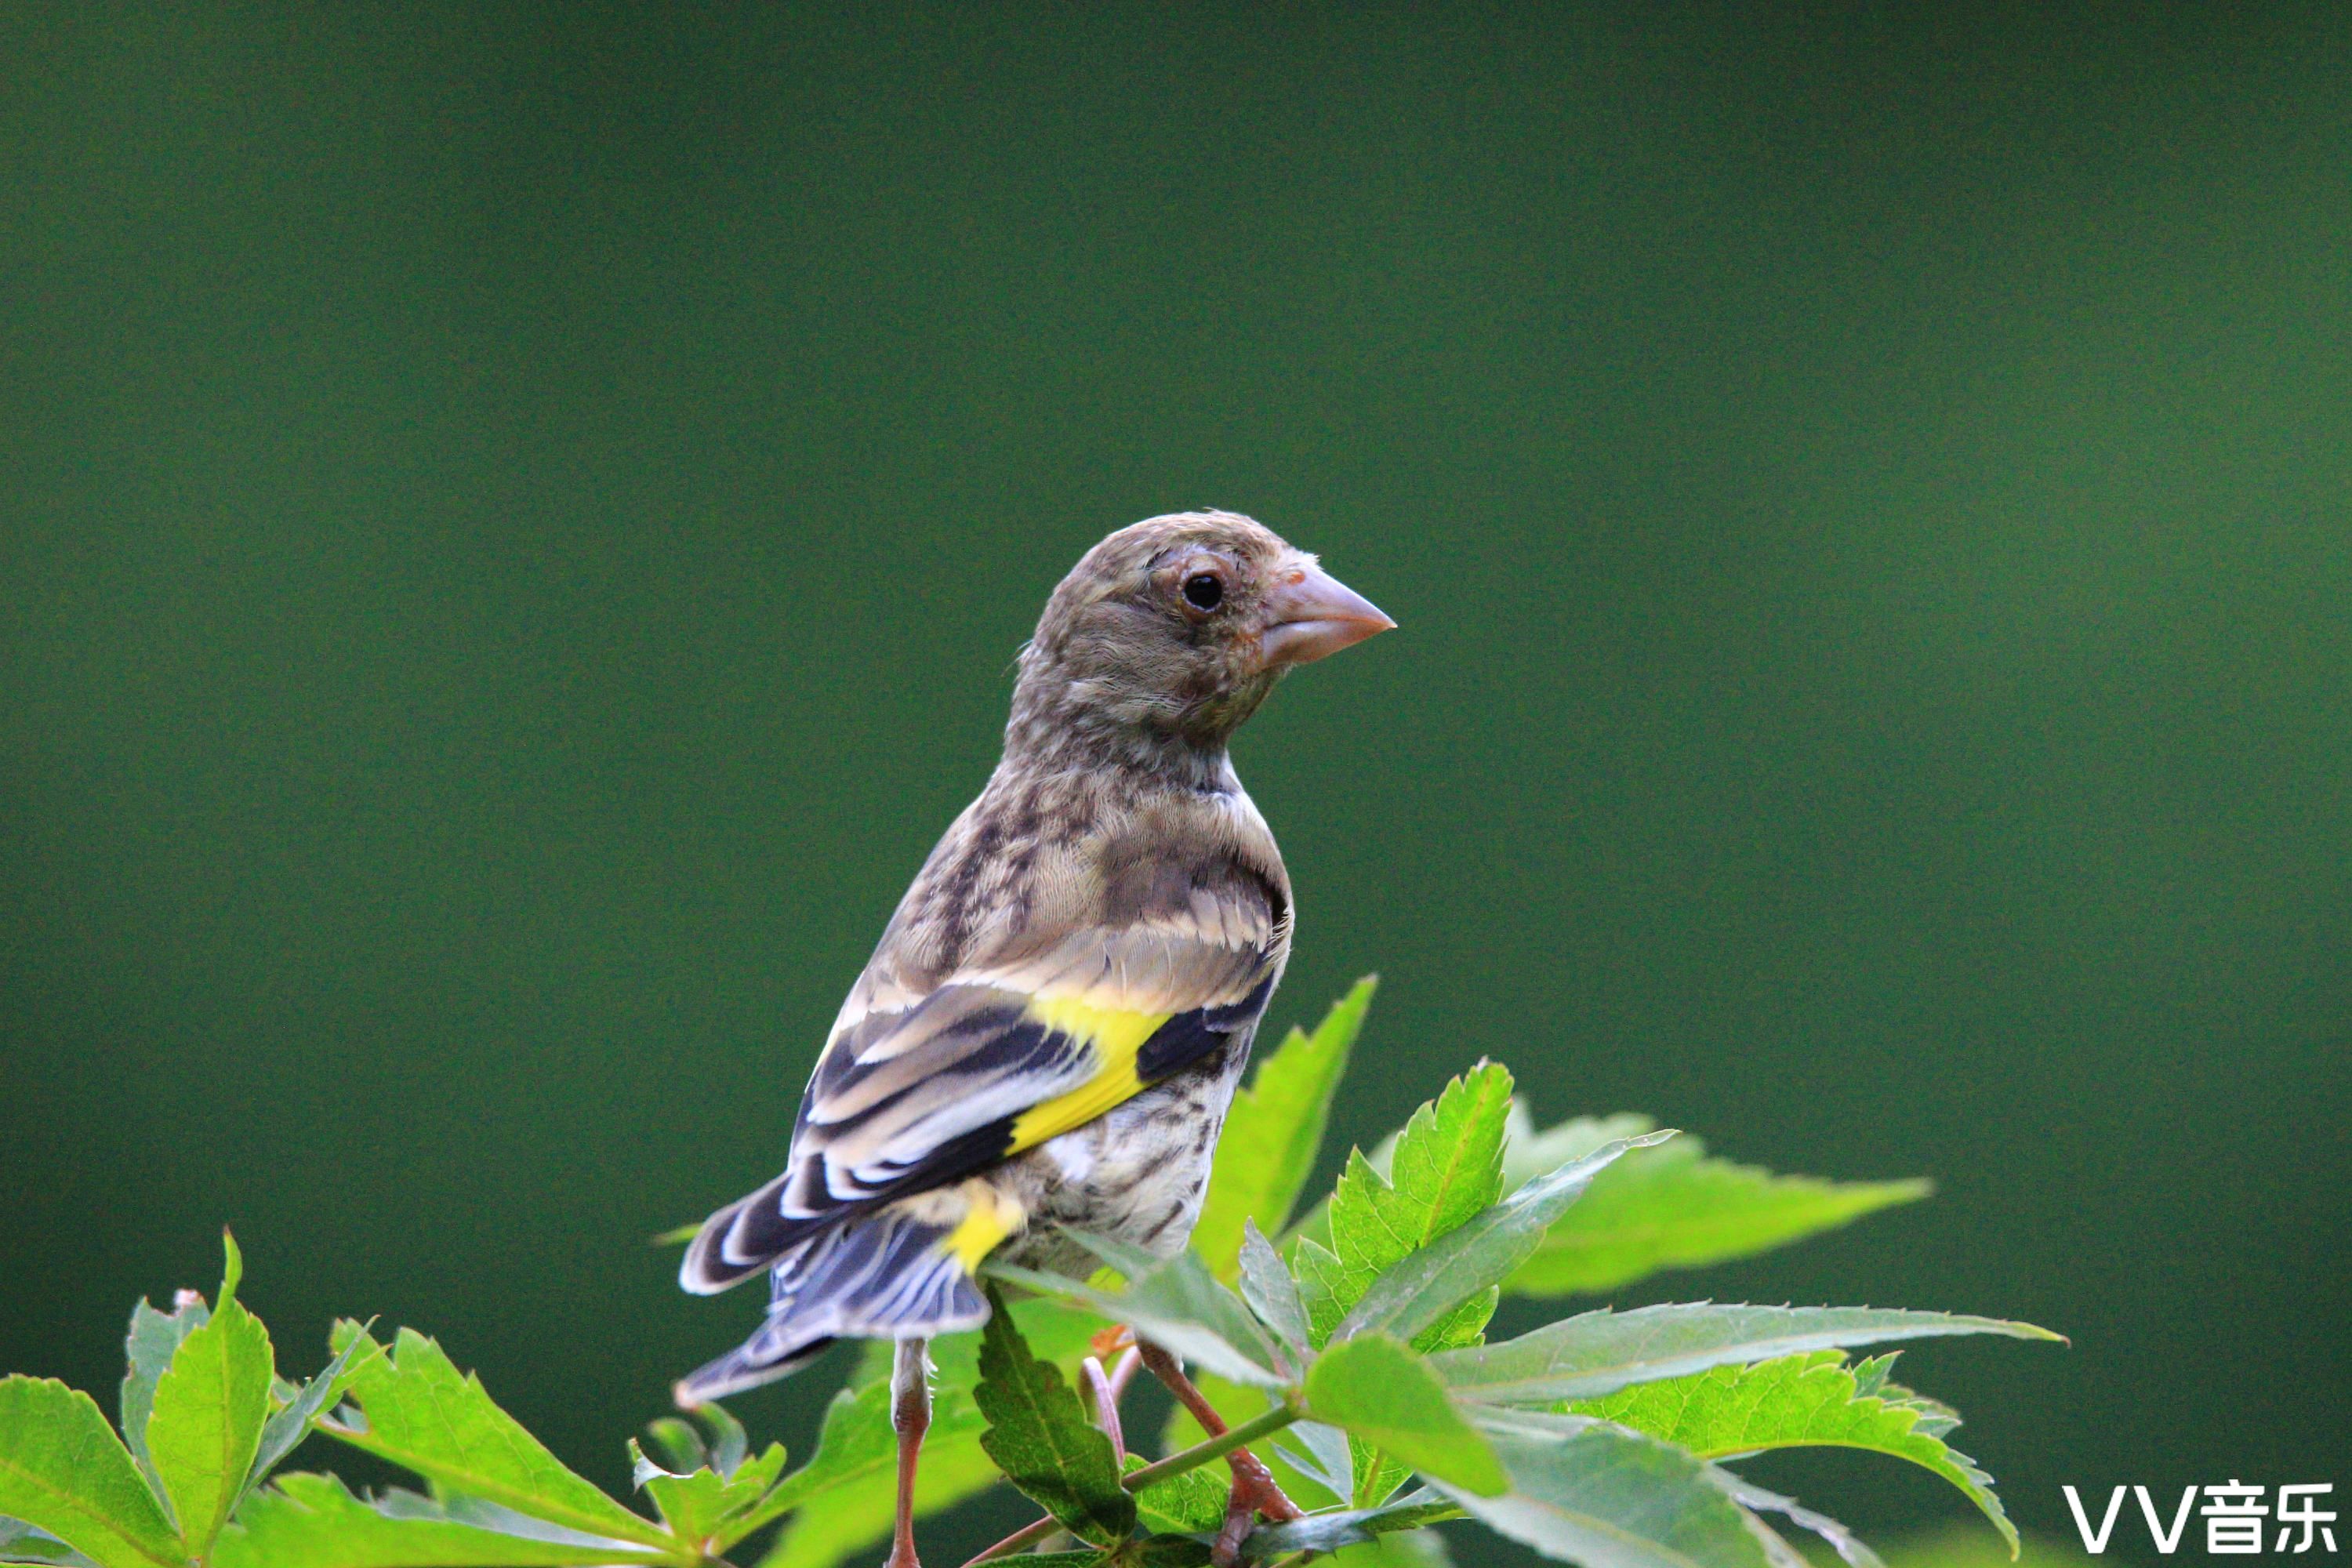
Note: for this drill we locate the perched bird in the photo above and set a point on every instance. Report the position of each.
(1051, 1029)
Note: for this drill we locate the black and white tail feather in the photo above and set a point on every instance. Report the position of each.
(886, 1274)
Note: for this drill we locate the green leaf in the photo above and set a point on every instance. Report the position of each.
(693, 1504)
(1039, 1435)
(63, 1471)
(1674, 1207)
(1447, 1166)
(680, 1446)
(1176, 1303)
(148, 1349)
(1375, 1387)
(1528, 1153)
(1398, 1548)
(700, 1504)
(855, 1442)
(420, 1412)
(284, 1431)
(1188, 1502)
(856, 1514)
(1800, 1401)
(1598, 1352)
(314, 1521)
(1158, 1552)
(1426, 1286)
(1585, 1492)
(1275, 1131)
(211, 1405)
(1321, 1455)
(21, 1544)
(1836, 1536)
(1270, 1291)
(729, 1443)
(853, 1466)
(1332, 1529)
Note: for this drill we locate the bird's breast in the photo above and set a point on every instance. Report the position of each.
(1137, 1174)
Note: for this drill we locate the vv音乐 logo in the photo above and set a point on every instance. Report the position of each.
(2237, 1518)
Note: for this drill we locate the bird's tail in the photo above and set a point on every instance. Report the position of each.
(902, 1272)
(747, 1237)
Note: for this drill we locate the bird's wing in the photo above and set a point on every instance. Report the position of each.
(917, 1089)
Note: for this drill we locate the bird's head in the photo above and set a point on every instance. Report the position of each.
(1175, 628)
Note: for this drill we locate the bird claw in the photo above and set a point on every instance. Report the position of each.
(1254, 1493)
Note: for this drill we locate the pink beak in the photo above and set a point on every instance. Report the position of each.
(1310, 614)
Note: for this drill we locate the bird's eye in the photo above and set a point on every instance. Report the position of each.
(1204, 591)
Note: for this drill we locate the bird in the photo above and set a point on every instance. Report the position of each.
(1051, 1029)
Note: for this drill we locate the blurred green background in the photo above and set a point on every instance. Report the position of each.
(514, 523)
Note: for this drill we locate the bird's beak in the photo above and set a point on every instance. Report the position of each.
(1311, 613)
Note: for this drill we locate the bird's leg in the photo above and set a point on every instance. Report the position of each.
(1255, 1491)
(910, 1418)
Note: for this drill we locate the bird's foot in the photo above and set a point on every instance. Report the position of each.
(902, 1555)
(1254, 1494)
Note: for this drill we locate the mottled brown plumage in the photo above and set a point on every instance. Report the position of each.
(1049, 1032)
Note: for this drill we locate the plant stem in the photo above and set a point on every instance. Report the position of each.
(1027, 1535)
(1200, 1454)
(1175, 1464)
(1106, 1406)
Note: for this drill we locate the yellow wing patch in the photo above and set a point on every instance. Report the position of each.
(1114, 1035)
(989, 1217)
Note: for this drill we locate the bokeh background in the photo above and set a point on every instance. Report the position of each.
(514, 521)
